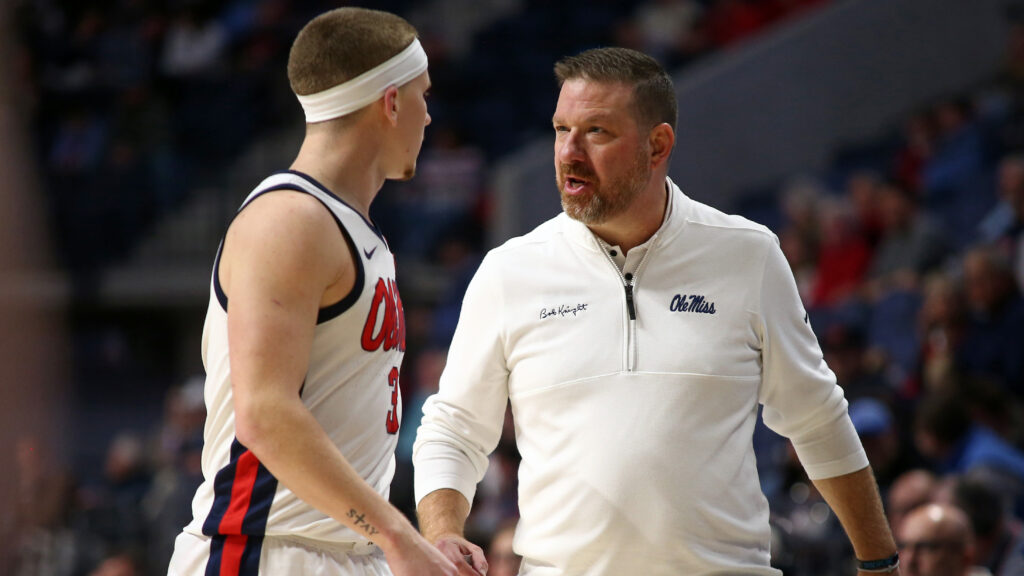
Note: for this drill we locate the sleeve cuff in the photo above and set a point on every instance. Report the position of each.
(817, 451)
(439, 466)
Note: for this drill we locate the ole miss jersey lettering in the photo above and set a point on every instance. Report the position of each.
(385, 311)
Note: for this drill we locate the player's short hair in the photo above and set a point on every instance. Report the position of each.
(654, 96)
(341, 44)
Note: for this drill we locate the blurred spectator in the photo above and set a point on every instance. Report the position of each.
(843, 256)
(874, 423)
(39, 529)
(501, 559)
(423, 373)
(1004, 225)
(195, 43)
(910, 244)
(844, 345)
(800, 257)
(909, 490)
(862, 191)
(115, 511)
(946, 436)
(177, 465)
(936, 540)
(959, 152)
(1011, 72)
(941, 325)
(120, 564)
(807, 537)
(447, 194)
(496, 497)
(956, 180)
(800, 203)
(668, 30)
(731, 21)
(998, 534)
(917, 146)
(993, 340)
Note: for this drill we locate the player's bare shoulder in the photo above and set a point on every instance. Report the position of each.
(288, 234)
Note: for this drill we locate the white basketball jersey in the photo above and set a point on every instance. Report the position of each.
(351, 389)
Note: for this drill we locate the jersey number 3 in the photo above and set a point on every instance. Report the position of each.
(393, 417)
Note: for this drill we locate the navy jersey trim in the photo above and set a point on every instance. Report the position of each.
(235, 555)
(243, 491)
(322, 188)
(218, 290)
(328, 312)
(334, 310)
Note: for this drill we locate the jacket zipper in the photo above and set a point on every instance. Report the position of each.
(628, 283)
(631, 334)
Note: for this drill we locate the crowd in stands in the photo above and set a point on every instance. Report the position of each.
(137, 104)
(909, 254)
(908, 251)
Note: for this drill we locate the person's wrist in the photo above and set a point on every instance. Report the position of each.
(881, 566)
(398, 534)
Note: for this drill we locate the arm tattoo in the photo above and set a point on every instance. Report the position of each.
(360, 522)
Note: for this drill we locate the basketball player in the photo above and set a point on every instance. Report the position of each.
(305, 334)
(635, 336)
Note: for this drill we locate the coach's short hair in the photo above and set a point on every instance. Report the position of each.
(341, 44)
(654, 96)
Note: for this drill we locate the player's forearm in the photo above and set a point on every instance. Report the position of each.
(442, 513)
(286, 438)
(855, 500)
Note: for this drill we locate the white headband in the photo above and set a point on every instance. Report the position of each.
(353, 94)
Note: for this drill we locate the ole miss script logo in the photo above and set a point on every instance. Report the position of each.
(385, 328)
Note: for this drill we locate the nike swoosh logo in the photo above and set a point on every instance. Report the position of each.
(369, 253)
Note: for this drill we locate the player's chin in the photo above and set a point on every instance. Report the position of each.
(406, 175)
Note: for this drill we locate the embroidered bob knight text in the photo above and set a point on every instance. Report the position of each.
(562, 310)
(693, 303)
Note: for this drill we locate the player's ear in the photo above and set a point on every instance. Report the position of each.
(390, 108)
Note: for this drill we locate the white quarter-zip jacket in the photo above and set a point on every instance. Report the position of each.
(635, 393)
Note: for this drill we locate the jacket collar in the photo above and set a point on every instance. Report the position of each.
(676, 215)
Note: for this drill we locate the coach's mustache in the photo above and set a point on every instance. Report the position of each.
(577, 170)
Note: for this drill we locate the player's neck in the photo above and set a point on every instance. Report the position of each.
(348, 166)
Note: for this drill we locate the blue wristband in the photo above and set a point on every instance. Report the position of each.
(884, 565)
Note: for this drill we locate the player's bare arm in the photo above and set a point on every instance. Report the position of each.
(442, 517)
(855, 500)
(283, 258)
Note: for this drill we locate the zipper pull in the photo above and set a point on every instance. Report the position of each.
(629, 297)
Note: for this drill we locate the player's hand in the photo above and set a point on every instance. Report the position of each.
(414, 556)
(468, 557)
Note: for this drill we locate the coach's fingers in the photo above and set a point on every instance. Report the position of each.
(453, 551)
(467, 568)
(477, 559)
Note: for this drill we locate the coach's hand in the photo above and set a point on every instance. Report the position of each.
(412, 555)
(468, 557)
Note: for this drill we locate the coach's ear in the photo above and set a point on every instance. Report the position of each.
(390, 105)
(662, 140)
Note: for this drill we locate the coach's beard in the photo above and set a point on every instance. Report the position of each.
(602, 202)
